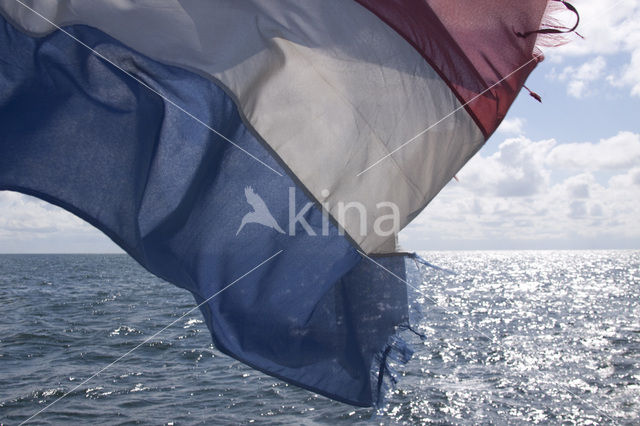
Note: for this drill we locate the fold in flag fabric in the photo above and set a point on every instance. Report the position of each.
(203, 137)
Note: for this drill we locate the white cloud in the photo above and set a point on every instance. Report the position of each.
(629, 75)
(31, 225)
(618, 152)
(515, 170)
(540, 192)
(609, 28)
(578, 186)
(577, 209)
(579, 78)
(631, 179)
(25, 214)
(596, 210)
(512, 126)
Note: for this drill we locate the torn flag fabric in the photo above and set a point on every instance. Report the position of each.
(263, 152)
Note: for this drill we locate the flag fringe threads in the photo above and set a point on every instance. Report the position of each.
(388, 363)
(89, 123)
(553, 32)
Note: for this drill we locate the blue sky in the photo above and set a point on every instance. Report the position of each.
(561, 174)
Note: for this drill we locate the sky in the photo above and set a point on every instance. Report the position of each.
(563, 174)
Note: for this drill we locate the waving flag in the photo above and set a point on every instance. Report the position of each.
(262, 154)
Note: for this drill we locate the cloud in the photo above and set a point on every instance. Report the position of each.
(514, 171)
(512, 126)
(539, 194)
(31, 225)
(578, 186)
(579, 79)
(618, 152)
(629, 75)
(577, 209)
(24, 213)
(596, 210)
(630, 179)
(609, 28)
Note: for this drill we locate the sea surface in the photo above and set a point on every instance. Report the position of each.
(512, 337)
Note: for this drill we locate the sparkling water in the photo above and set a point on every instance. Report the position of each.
(511, 337)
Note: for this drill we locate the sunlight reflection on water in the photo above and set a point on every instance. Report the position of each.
(516, 336)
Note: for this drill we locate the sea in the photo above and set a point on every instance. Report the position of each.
(512, 337)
